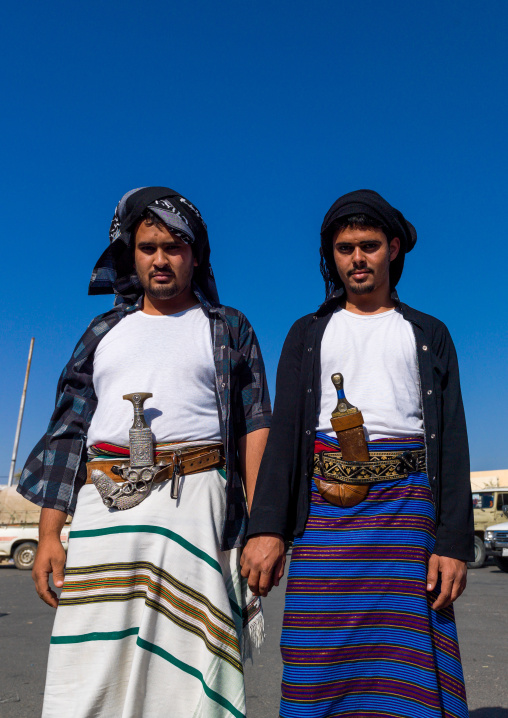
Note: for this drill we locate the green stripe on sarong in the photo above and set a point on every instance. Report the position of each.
(193, 672)
(96, 636)
(150, 530)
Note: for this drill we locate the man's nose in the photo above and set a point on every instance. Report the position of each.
(160, 258)
(358, 255)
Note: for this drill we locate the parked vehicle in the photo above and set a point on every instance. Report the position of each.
(20, 543)
(496, 540)
(490, 507)
(19, 529)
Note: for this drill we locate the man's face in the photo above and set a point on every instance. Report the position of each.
(164, 263)
(362, 257)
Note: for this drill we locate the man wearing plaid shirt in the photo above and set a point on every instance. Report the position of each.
(152, 596)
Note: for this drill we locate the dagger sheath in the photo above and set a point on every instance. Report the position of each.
(140, 434)
(349, 433)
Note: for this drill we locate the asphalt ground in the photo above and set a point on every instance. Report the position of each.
(482, 621)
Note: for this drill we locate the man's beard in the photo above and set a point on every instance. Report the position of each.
(365, 287)
(362, 288)
(161, 291)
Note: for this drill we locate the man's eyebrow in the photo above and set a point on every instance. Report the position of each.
(344, 243)
(151, 243)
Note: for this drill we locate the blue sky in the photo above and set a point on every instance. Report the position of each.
(262, 114)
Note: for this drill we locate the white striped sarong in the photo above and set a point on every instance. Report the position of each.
(153, 618)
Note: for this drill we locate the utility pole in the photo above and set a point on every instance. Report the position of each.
(20, 417)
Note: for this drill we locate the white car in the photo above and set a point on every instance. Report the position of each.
(496, 542)
(19, 528)
(20, 543)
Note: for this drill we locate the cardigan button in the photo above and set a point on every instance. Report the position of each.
(309, 391)
(308, 432)
(424, 347)
(432, 436)
(309, 349)
(429, 392)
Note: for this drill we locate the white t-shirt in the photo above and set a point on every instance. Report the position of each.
(169, 356)
(376, 354)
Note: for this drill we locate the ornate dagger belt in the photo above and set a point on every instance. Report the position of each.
(139, 475)
(131, 483)
(348, 473)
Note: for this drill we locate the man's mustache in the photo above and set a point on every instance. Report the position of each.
(358, 269)
(165, 272)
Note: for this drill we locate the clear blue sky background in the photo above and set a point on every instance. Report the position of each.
(262, 114)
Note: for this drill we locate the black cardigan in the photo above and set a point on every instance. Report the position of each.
(281, 500)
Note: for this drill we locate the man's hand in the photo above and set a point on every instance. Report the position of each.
(453, 579)
(50, 556)
(263, 560)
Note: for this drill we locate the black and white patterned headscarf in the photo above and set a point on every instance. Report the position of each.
(114, 273)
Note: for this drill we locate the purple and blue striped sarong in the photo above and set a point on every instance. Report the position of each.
(359, 638)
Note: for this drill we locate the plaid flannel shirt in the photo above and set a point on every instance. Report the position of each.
(56, 468)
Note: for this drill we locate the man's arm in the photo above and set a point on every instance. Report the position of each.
(54, 483)
(455, 523)
(455, 527)
(263, 557)
(250, 449)
(56, 468)
(50, 557)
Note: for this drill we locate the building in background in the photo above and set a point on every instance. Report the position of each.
(489, 479)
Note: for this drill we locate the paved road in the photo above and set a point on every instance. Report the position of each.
(482, 618)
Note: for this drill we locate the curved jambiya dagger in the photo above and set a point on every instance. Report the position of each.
(138, 476)
(347, 422)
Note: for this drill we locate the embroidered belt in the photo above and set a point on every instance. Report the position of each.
(183, 461)
(382, 466)
(123, 486)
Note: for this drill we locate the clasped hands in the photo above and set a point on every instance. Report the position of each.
(262, 561)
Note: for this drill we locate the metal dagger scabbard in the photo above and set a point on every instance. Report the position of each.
(138, 476)
(347, 422)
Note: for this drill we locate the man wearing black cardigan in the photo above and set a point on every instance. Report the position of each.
(400, 369)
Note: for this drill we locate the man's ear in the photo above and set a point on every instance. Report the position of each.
(195, 262)
(394, 248)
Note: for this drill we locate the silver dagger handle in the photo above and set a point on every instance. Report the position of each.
(138, 398)
(140, 435)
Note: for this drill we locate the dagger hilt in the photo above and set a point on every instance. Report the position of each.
(138, 399)
(343, 406)
(140, 434)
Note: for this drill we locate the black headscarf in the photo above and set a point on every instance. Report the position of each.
(114, 272)
(370, 203)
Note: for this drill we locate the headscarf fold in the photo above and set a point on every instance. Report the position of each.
(370, 203)
(114, 272)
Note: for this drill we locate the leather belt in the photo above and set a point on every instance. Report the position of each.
(186, 461)
(382, 466)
